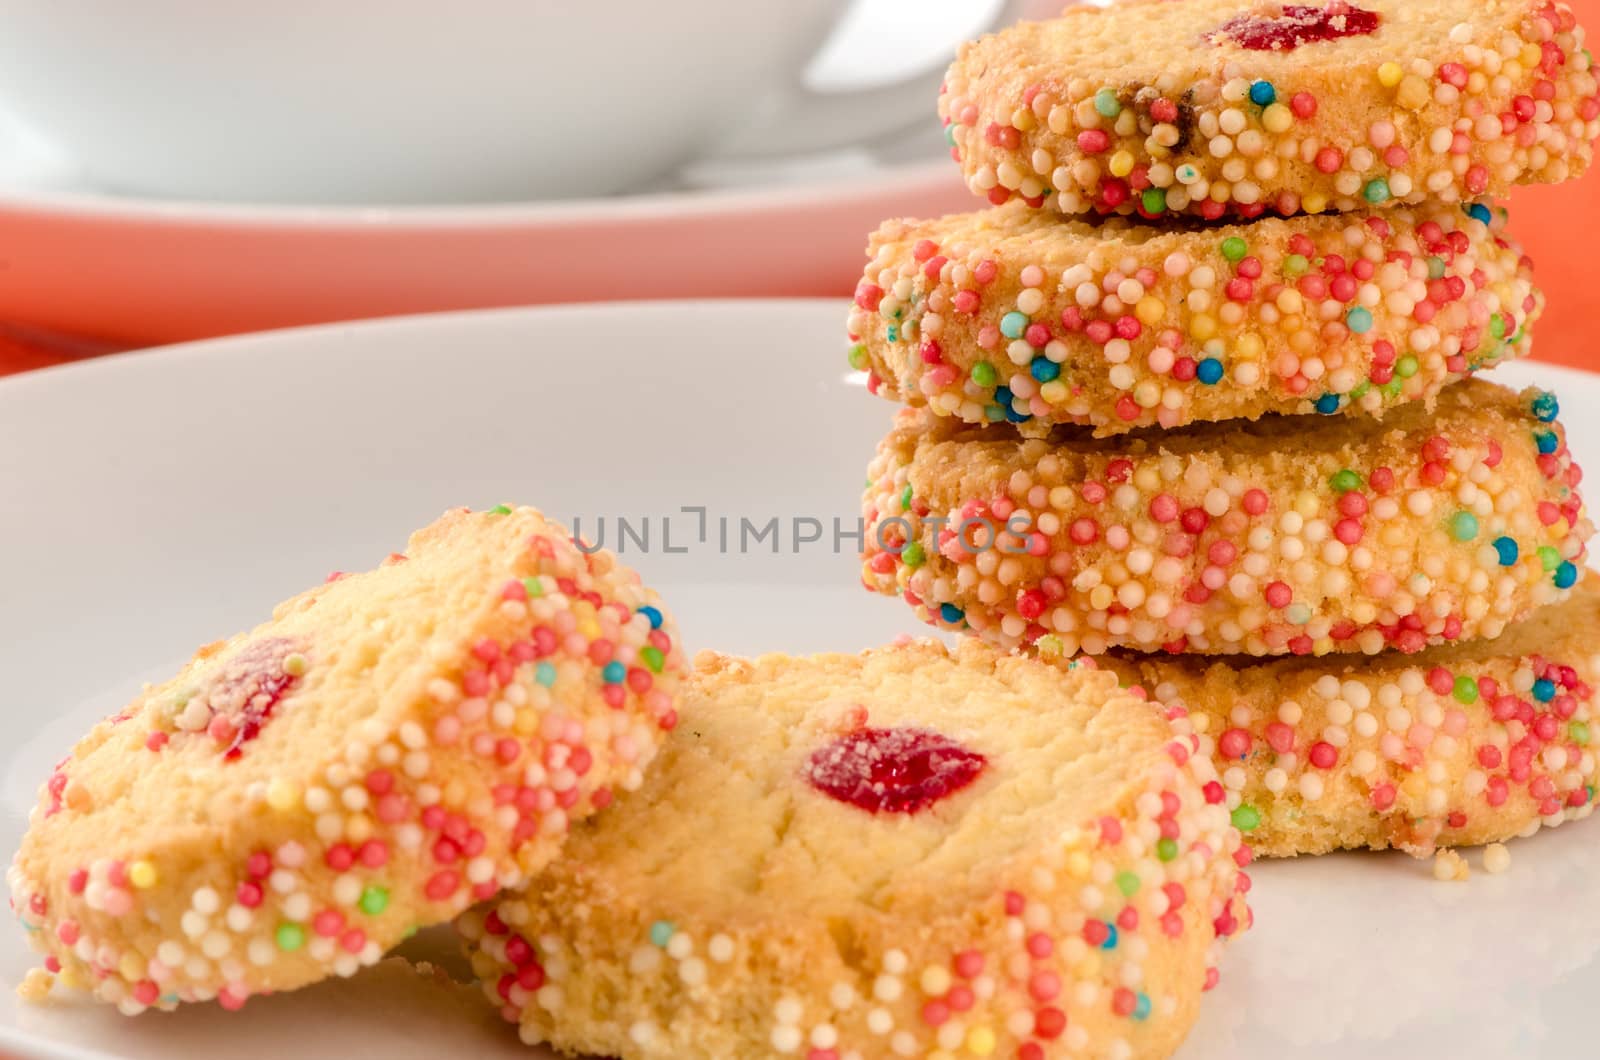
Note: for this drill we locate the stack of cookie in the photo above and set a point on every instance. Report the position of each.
(1150, 423)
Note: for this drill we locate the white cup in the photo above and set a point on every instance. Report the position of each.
(397, 101)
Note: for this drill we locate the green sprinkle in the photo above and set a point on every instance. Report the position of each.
(892, 332)
(1497, 326)
(1359, 319)
(1246, 817)
(1464, 526)
(1466, 690)
(500, 509)
(912, 555)
(1155, 200)
(858, 357)
(1048, 645)
(290, 937)
(1166, 849)
(1435, 268)
(1128, 883)
(1295, 265)
(905, 498)
(652, 658)
(1105, 103)
(545, 674)
(1345, 481)
(1234, 248)
(1013, 324)
(1406, 367)
(1377, 190)
(1579, 731)
(661, 933)
(1549, 558)
(1360, 389)
(374, 900)
(533, 586)
(983, 374)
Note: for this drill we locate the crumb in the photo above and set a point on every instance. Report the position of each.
(1496, 858)
(1450, 867)
(35, 986)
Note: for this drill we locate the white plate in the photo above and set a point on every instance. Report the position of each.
(152, 502)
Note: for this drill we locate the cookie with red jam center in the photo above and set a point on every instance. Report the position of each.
(898, 853)
(388, 749)
(1239, 107)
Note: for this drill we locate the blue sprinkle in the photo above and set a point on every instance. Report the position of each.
(1111, 937)
(1566, 576)
(1018, 417)
(614, 673)
(1013, 324)
(951, 613)
(1479, 212)
(1359, 320)
(1544, 690)
(1262, 93)
(653, 614)
(1141, 1007)
(1002, 396)
(1328, 404)
(1546, 407)
(1547, 441)
(1507, 548)
(1044, 369)
(1209, 371)
(545, 674)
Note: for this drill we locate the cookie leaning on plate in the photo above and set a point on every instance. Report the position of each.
(1462, 744)
(1215, 107)
(390, 748)
(1286, 535)
(1009, 314)
(911, 852)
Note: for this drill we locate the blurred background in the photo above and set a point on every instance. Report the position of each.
(176, 170)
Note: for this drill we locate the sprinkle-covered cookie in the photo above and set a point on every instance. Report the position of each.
(1010, 315)
(1468, 743)
(913, 852)
(390, 748)
(1217, 107)
(1286, 535)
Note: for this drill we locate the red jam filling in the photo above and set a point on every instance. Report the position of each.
(892, 770)
(245, 692)
(1298, 24)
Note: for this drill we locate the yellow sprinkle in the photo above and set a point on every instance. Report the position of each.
(1150, 310)
(1055, 392)
(1121, 164)
(589, 628)
(358, 828)
(1389, 74)
(1079, 863)
(294, 665)
(1531, 55)
(283, 795)
(1315, 202)
(131, 967)
(1249, 346)
(526, 722)
(1413, 93)
(1101, 597)
(142, 875)
(1023, 119)
(1202, 326)
(1277, 118)
(980, 1042)
(935, 980)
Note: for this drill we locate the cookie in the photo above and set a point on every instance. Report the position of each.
(1463, 744)
(1282, 535)
(910, 852)
(1010, 315)
(1219, 107)
(390, 748)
